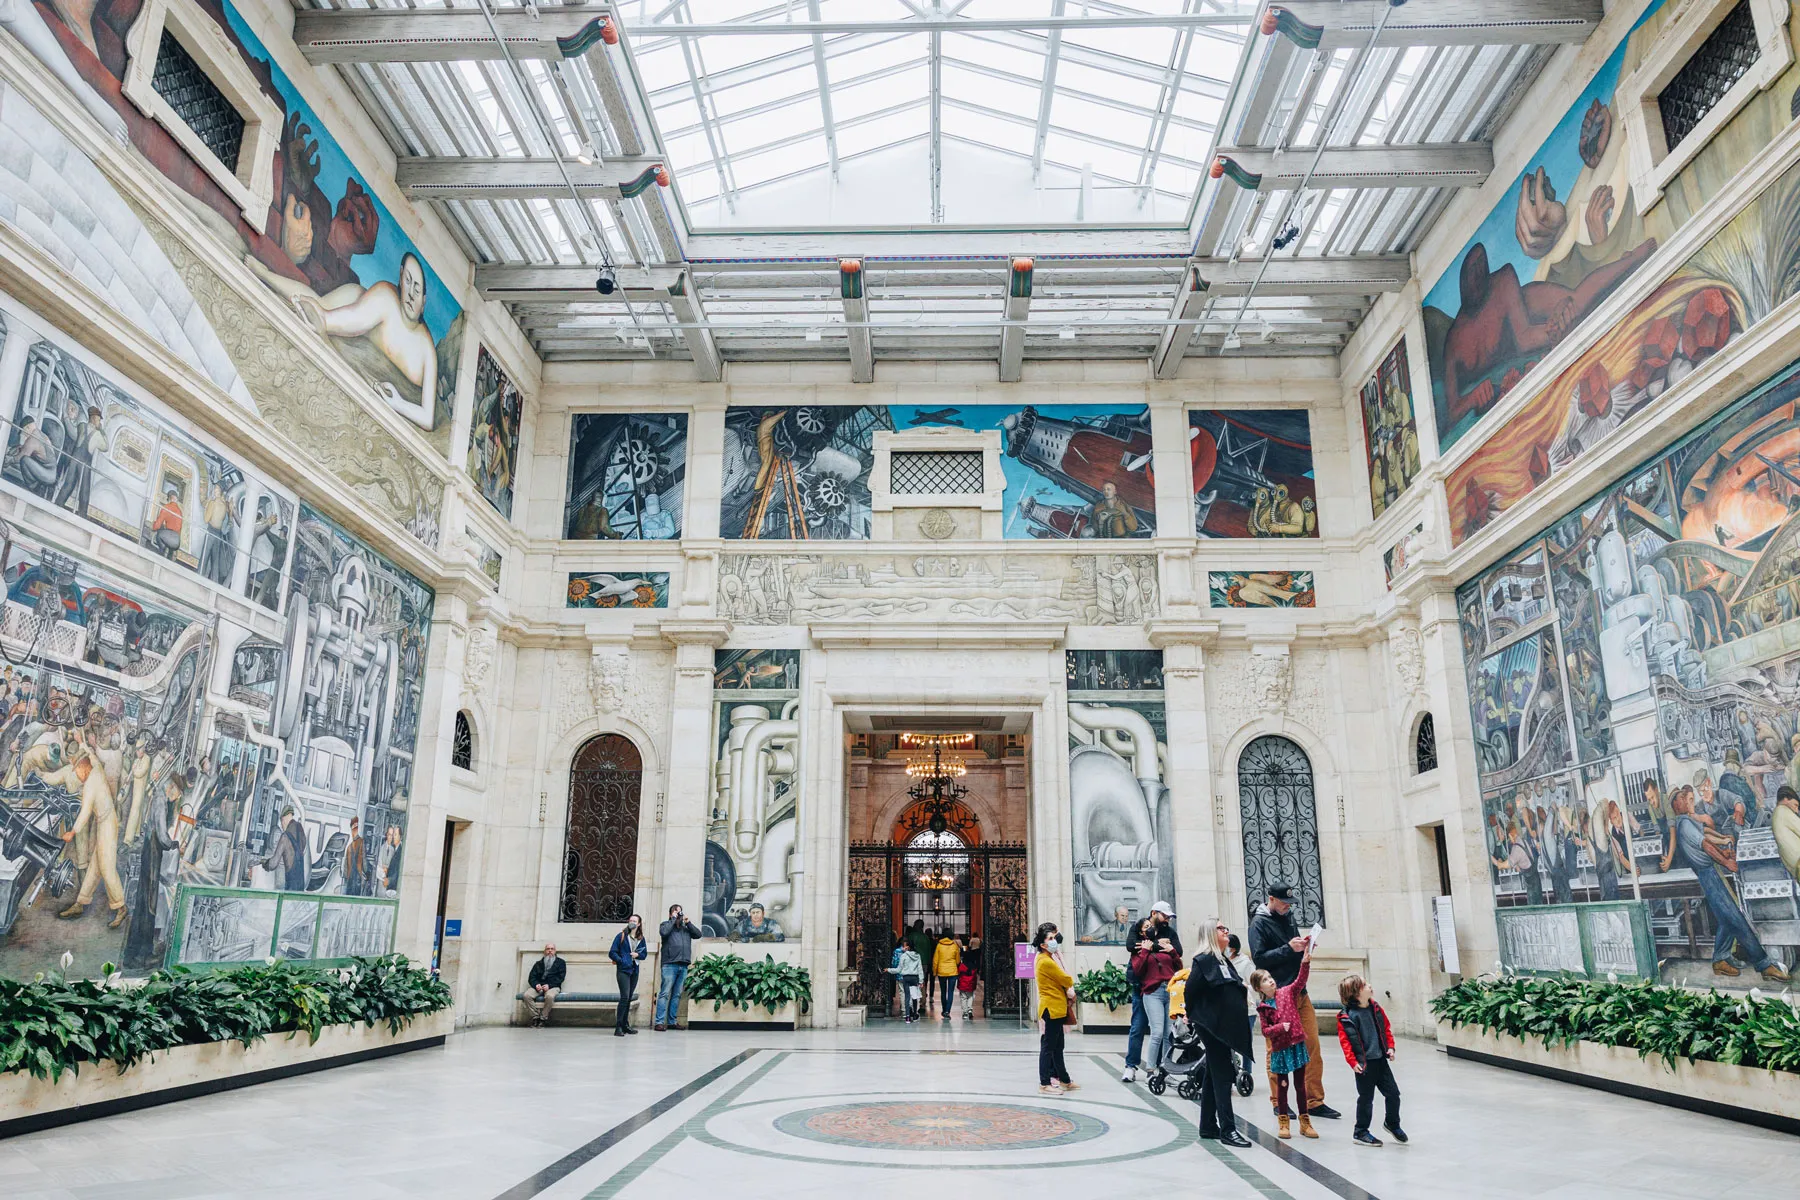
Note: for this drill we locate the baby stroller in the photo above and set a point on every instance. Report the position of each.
(1183, 1058)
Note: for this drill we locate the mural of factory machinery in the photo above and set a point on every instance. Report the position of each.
(1634, 672)
(1071, 471)
(1118, 796)
(168, 774)
(753, 865)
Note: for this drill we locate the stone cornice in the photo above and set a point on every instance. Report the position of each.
(1012, 635)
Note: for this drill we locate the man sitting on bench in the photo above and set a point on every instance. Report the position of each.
(543, 984)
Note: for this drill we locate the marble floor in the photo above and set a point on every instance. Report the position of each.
(566, 1113)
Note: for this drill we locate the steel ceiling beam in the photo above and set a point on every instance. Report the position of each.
(1348, 23)
(575, 284)
(346, 35)
(1360, 275)
(830, 130)
(454, 178)
(1018, 305)
(856, 320)
(1046, 96)
(1451, 164)
(1175, 339)
(645, 34)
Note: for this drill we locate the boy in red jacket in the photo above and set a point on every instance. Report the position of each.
(1368, 1042)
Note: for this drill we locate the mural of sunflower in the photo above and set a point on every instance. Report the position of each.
(578, 590)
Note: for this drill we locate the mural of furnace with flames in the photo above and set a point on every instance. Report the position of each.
(802, 472)
(1635, 676)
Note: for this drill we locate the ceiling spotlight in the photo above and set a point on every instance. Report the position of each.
(608, 282)
(815, 335)
(1249, 247)
(1232, 341)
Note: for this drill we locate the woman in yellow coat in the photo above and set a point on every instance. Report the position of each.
(1055, 993)
(946, 957)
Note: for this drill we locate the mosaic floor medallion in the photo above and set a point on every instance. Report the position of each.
(940, 1125)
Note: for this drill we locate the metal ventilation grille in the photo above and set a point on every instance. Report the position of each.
(1703, 80)
(198, 101)
(935, 472)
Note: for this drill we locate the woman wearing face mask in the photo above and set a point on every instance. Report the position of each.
(1056, 993)
(627, 952)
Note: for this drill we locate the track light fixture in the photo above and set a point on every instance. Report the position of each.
(608, 282)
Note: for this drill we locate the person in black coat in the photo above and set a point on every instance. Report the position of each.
(1277, 947)
(1216, 1006)
(543, 984)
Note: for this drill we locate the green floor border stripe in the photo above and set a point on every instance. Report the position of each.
(1239, 1167)
(630, 1173)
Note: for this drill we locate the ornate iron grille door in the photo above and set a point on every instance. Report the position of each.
(600, 850)
(993, 876)
(1281, 826)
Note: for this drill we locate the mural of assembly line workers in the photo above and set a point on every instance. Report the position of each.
(1710, 855)
(99, 819)
(1119, 815)
(758, 763)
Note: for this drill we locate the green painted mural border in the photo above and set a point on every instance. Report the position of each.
(185, 893)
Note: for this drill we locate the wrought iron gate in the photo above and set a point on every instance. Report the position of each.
(1281, 826)
(991, 876)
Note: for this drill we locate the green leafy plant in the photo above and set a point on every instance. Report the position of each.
(1673, 1022)
(51, 1024)
(728, 979)
(1106, 985)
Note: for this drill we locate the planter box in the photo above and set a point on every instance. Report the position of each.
(1097, 1018)
(1770, 1099)
(181, 1073)
(701, 1015)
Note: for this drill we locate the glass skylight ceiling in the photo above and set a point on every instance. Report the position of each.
(893, 129)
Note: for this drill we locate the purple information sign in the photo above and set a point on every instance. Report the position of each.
(1024, 960)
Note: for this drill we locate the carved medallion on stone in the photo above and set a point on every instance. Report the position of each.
(1409, 659)
(937, 524)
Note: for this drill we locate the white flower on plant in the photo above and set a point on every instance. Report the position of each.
(1612, 977)
(269, 961)
(67, 960)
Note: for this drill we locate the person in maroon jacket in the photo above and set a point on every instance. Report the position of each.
(1278, 1013)
(1154, 960)
(1368, 1042)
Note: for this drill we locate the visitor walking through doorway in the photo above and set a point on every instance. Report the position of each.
(946, 958)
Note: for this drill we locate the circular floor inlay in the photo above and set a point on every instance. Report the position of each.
(940, 1125)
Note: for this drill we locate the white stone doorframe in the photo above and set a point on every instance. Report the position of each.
(1038, 691)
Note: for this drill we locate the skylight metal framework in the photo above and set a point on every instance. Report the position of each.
(729, 156)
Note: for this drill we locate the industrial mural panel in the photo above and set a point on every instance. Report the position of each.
(1119, 809)
(1571, 234)
(1390, 431)
(627, 476)
(1260, 589)
(329, 246)
(1252, 474)
(617, 589)
(1071, 471)
(753, 876)
(1632, 674)
(494, 433)
(82, 441)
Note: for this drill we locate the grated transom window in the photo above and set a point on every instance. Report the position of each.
(1728, 52)
(935, 472)
(198, 101)
(1425, 746)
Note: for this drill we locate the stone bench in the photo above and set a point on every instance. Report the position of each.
(574, 999)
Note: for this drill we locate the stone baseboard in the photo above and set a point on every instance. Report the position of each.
(181, 1073)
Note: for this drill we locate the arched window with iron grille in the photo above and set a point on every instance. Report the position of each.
(1425, 746)
(462, 743)
(600, 846)
(1281, 826)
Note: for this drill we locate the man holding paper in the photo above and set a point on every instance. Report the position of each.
(1277, 947)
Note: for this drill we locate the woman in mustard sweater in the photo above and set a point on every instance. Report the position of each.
(1055, 992)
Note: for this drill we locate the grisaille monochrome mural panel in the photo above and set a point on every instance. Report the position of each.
(1634, 671)
(752, 886)
(168, 754)
(1119, 810)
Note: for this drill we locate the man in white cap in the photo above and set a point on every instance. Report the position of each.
(1154, 960)
(1277, 947)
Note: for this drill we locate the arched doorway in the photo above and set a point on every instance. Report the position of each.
(1281, 826)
